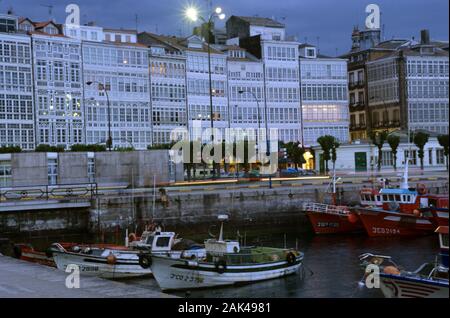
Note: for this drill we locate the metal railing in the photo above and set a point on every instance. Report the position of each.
(50, 192)
(325, 208)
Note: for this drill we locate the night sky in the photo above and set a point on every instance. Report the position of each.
(325, 22)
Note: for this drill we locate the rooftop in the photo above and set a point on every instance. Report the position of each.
(258, 21)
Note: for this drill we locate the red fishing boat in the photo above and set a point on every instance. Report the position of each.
(405, 211)
(334, 219)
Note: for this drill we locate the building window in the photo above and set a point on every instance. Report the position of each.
(52, 165)
(440, 157)
(5, 173)
(118, 38)
(412, 157)
(91, 169)
(430, 157)
(387, 159)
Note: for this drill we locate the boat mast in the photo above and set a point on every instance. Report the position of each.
(405, 184)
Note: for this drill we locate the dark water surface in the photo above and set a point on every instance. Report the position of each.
(331, 266)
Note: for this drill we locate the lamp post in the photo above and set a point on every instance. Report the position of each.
(192, 14)
(102, 87)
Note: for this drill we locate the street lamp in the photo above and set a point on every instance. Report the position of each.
(193, 15)
(102, 87)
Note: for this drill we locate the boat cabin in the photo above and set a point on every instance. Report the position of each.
(156, 241)
(219, 248)
(370, 197)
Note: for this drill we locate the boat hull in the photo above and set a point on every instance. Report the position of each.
(383, 223)
(394, 286)
(172, 274)
(98, 266)
(325, 223)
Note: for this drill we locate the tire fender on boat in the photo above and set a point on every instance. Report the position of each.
(145, 261)
(290, 258)
(111, 259)
(221, 266)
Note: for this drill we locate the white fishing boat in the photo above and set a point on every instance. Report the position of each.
(225, 263)
(114, 262)
(429, 281)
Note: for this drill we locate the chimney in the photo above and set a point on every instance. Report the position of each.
(425, 36)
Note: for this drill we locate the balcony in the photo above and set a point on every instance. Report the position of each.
(358, 126)
(356, 84)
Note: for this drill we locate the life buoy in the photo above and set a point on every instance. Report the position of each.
(221, 266)
(132, 237)
(145, 261)
(290, 258)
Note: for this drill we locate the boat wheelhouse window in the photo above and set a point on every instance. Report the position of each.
(408, 198)
(432, 203)
(385, 197)
(391, 197)
(163, 241)
(378, 198)
(398, 198)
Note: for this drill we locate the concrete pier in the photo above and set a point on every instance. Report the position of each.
(20, 279)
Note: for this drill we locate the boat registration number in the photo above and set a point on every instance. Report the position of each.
(328, 224)
(84, 268)
(382, 230)
(186, 278)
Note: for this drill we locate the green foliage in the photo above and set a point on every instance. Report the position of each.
(443, 141)
(329, 144)
(87, 148)
(420, 139)
(378, 139)
(295, 153)
(394, 142)
(161, 146)
(48, 148)
(10, 149)
(124, 149)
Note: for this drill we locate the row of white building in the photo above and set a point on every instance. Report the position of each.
(156, 84)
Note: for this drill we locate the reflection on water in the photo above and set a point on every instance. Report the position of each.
(331, 267)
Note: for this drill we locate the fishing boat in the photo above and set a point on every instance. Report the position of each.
(26, 252)
(429, 281)
(225, 263)
(334, 219)
(116, 262)
(405, 211)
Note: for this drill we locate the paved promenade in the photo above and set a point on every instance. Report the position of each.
(26, 280)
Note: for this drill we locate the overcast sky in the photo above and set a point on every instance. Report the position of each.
(327, 22)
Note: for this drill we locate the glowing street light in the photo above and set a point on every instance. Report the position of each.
(192, 14)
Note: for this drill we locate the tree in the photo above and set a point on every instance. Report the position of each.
(394, 142)
(420, 140)
(378, 139)
(334, 153)
(295, 153)
(443, 141)
(327, 143)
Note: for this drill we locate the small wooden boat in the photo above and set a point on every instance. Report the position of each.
(429, 281)
(26, 252)
(225, 263)
(114, 261)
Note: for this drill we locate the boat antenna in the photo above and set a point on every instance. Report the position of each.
(405, 184)
(222, 218)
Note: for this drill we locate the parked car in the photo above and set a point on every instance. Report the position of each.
(289, 173)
